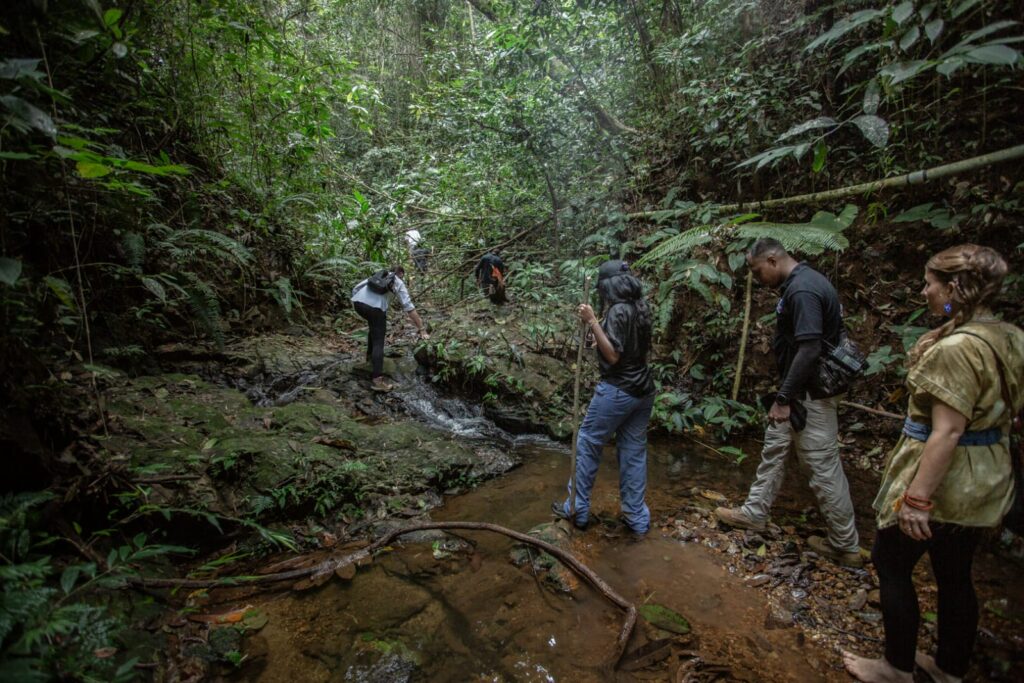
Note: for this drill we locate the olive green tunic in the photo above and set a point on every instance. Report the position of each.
(961, 371)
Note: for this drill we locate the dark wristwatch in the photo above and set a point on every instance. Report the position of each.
(781, 399)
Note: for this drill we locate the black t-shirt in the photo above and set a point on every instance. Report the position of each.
(809, 309)
(631, 373)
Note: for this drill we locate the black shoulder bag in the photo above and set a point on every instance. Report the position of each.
(839, 366)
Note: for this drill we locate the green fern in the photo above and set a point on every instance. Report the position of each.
(679, 245)
(824, 232)
(205, 306)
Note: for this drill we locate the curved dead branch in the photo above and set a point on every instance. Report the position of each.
(333, 564)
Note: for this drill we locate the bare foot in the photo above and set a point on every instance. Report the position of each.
(874, 670)
(927, 662)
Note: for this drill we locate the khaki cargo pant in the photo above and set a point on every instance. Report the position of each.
(817, 445)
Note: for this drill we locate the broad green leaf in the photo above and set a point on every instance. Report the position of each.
(872, 97)
(13, 69)
(909, 38)
(844, 26)
(89, 169)
(982, 32)
(926, 11)
(820, 122)
(27, 116)
(112, 16)
(963, 7)
(61, 289)
(875, 129)
(902, 71)
(17, 156)
(933, 29)
(993, 54)
(854, 54)
(902, 12)
(820, 151)
(10, 270)
(949, 66)
(69, 577)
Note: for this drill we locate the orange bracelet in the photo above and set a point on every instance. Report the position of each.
(922, 504)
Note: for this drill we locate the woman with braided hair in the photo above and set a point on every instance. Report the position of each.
(622, 401)
(949, 476)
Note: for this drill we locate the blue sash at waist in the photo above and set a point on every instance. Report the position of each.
(982, 437)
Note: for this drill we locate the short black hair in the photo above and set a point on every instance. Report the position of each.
(398, 270)
(765, 246)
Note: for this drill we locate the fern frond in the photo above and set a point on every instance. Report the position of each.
(195, 243)
(134, 246)
(678, 245)
(205, 307)
(799, 238)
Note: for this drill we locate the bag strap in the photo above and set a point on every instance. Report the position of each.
(1002, 374)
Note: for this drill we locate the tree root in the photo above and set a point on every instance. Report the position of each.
(333, 564)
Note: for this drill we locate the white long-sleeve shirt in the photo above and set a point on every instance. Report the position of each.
(361, 293)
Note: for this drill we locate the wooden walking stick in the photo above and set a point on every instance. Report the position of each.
(576, 403)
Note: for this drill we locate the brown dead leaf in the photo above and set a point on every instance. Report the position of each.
(333, 442)
(267, 421)
(232, 617)
(104, 652)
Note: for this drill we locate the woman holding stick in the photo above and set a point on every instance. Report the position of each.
(949, 477)
(622, 400)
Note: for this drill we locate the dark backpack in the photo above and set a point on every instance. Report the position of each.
(381, 282)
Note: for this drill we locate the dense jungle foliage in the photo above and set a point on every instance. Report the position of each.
(196, 170)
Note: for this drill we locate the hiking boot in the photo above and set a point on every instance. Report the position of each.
(382, 385)
(841, 557)
(735, 518)
(558, 511)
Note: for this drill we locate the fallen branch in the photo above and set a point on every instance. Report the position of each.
(873, 411)
(334, 564)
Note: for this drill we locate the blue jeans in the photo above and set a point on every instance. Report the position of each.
(613, 411)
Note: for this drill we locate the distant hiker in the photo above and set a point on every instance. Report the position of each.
(490, 277)
(370, 298)
(417, 253)
(622, 401)
(949, 477)
(807, 315)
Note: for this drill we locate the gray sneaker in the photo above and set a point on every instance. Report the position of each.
(735, 518)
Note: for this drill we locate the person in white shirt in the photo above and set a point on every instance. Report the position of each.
(373, 306)
(416, 252)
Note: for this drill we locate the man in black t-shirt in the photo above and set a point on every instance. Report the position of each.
(808, 323)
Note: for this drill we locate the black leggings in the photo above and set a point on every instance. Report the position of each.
(378, 321)
(951, 549)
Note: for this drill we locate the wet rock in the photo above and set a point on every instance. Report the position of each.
(390, 668)
(875, 597)
(778, 617)
(870, 616)
(858, 600)
(758, 580)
